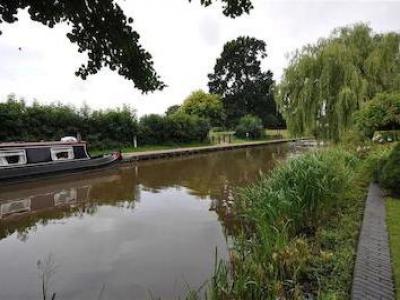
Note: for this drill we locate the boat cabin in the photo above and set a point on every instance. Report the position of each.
(26, 153)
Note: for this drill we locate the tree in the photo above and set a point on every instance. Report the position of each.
(232, 8)
(250, 126)
(238, 78)
(203, 105)
(101, 29)
(327, 82)
(172, 109)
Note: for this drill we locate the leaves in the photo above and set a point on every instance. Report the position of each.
(231, 8)
(207, 106)
(238, 78)
(381, 113)
(100, 29)
(327, 82)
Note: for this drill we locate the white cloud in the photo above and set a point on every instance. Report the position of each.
(184, 40)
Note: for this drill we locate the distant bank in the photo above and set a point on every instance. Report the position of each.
(148, 155)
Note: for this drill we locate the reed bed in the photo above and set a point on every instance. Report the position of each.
(299, 227)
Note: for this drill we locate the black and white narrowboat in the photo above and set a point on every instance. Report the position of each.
(24, 160)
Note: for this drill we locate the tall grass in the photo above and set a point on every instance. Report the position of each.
(281, 247)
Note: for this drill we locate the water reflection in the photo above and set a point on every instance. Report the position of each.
(145, 227)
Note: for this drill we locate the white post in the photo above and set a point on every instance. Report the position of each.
(135, 141)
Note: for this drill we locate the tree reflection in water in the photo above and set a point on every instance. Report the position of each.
(212, 176)
(163, 227)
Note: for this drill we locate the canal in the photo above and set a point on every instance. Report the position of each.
(138, 231)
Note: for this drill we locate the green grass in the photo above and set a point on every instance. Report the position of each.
(393, 222)
(95, 152)
(271, 134)
(298, 230)
(282, 133)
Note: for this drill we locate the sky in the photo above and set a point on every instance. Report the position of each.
(184, 39)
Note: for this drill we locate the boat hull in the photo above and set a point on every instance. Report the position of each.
(31, 171)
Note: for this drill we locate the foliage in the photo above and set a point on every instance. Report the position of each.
(172, 109)
(110, 128)
(327, 82)
(389, 171)
(175, 128)
(251, 126)
(232, 8)
(381, 113)
(187, 128)
(299, 230)
(152, 130)
(392, 220)
(100, 29)
(238, 78)
(206, 106)
(103, 129)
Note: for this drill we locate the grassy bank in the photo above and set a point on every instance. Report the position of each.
(271, 134)
(392, 219)
(95, 152)
(298, 232)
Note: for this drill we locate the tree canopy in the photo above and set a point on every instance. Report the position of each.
(203, 105)
(325, 83)
(245, 88)
(102, 30)
(231, 8)
(111, 128)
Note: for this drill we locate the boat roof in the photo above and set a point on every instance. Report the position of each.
(39, 144)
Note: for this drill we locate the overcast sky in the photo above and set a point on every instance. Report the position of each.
(184, 39)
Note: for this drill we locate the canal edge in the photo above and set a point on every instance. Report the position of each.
(150, 155)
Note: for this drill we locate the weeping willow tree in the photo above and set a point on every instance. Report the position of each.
(325, 83)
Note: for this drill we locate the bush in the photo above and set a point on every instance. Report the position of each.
(381, 113)
(153, 130)
(176, 128)
(184, 128)
(389, 173)
(101, 128)
(250, 125)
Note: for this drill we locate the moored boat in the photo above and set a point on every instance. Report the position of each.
(24, 160)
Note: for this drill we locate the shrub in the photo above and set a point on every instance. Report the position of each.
(250, 125)
(381, 113)
(101, 128)
(389, 174)
(176, 128)
(183, 128)
(152, 130)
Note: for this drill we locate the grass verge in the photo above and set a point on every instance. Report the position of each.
(393, 222)
(95, 152)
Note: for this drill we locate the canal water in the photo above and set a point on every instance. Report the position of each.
(139, 231)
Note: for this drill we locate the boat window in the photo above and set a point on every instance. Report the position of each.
(62, 153)
(12, 157)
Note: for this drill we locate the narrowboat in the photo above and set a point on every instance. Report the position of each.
(25, 160)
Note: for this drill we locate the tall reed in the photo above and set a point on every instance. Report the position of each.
(271, 257)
